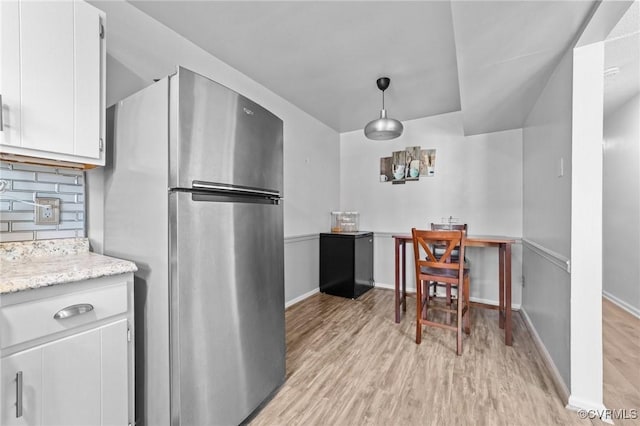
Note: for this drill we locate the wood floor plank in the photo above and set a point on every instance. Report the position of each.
(621, 361)
(349, 363)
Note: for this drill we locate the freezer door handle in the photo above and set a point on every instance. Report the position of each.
(235, 189)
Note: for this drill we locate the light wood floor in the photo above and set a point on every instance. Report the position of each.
(621, 357)
(348, 363)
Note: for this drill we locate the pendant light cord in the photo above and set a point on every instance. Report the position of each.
(383, 99)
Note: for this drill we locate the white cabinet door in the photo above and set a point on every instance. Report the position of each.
(115, 374)
(88, 104)
(25, 367)
(52, 81)
(46, 70)
(10, 73)
(78, 380)
(71, 380)
(85, 377)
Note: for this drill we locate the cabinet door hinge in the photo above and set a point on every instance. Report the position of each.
(128, 334)
(101, 144)
(101, 30)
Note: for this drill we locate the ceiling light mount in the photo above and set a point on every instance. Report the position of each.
(383, 128)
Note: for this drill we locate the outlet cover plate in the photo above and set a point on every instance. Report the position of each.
(47, 216)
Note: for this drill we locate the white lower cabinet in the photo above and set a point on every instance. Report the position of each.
(82, 378)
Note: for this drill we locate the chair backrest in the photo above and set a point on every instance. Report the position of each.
(437, 262)
(448, 227)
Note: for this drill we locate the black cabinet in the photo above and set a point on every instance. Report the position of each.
(346, 263)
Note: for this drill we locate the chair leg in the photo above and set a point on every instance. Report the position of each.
(418, 311)
(448, 287)
(459, 327)
(425, 299)
(467, 319)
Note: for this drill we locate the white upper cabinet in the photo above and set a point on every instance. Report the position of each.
(52, 80)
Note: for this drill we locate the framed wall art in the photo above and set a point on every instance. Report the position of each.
(408, 165)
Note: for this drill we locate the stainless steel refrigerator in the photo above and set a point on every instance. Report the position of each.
(193, 196)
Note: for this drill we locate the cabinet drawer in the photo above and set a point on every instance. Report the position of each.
(30, 320)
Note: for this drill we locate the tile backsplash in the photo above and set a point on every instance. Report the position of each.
(20, 184)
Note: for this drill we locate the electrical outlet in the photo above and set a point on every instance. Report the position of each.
(47, 211)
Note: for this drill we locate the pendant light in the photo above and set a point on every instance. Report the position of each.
(383, 128)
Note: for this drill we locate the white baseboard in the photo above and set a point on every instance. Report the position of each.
(301, 298)
(392, 287)
(593, 410)
(514, 306)
(558, 381)
(622, 304)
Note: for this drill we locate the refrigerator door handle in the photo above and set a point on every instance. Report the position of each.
(235, 189)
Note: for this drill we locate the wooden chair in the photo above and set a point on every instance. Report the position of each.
(439, 249)
(441, 268)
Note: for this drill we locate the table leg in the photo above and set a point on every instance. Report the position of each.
(404, 276)
(507, 302)
(501, 260)
(397, 280)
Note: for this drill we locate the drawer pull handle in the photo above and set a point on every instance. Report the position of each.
(18, 394)
(73, 310)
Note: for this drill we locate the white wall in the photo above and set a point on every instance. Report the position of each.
(141, 49)
(621, 206)
(563, 220)
(547, 215)
(478, 179)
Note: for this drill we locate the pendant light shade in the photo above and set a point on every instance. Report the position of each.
(383, 128)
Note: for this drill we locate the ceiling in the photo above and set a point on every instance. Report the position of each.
(488, 59)
(622, 51)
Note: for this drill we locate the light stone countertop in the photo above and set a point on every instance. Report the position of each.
(33, 264)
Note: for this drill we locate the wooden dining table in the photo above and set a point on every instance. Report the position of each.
(504, 275)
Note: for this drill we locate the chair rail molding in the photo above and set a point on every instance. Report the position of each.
(557, 259)
(300, 238)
